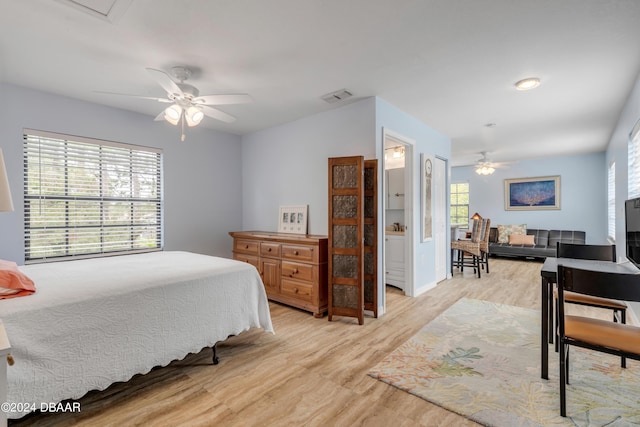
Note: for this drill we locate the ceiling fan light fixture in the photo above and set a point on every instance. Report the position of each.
(485, 170)
(528, 83)
(172, 114)
(194, 116)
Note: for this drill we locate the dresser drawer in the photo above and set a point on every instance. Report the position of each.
(292, 288)
(250, 259)
(299, 253)
(246, 246)
(298, 271)
(270, 249)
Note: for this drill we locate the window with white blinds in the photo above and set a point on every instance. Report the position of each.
(86, 197)
(611, 202)
(634, 162)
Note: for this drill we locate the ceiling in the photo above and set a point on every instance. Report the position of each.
(450, 63)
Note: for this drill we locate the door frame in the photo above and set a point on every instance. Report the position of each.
(441, 212)
(409, 217)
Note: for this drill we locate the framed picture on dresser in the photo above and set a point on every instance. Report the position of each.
(293, 219)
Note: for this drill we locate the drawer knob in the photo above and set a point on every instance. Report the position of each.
(295, 252)
(295, 270)
(246, 246)
(295, 290)
(269, 250)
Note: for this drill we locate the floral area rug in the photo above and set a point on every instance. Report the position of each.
(482, 361)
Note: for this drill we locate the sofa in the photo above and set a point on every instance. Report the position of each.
(544, 243)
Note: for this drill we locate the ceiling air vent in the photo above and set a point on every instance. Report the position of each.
(336, 96)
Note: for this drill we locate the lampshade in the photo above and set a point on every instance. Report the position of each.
(194, 116)
(6, 204)
(172, 114)
(476, 216)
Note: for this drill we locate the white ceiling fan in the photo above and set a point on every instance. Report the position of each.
(484, 166)
(186, 103)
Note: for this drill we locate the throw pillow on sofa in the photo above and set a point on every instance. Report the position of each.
(522, 239)
(505, 230)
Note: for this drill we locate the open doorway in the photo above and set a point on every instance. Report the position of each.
(398, 212)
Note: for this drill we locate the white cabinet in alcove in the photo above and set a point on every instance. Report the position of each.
(394, 260)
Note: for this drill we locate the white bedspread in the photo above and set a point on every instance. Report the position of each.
(97, 321)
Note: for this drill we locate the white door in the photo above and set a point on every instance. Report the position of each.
(440, 218)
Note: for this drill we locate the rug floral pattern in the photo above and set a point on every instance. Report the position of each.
(482, 360)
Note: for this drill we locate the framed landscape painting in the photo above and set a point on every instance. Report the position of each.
(537, 193)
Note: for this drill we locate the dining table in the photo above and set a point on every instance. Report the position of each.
(549, 274)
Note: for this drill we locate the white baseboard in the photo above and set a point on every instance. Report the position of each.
(424, 288)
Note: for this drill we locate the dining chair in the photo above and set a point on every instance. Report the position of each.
(471, 247)
(596, 253)
(595, 334)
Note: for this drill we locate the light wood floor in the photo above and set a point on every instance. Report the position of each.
(311, 372)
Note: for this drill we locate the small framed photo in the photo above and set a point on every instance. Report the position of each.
(293, 219)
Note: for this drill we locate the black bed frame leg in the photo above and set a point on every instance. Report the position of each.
(215, 359)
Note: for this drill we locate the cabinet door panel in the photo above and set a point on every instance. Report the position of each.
(270, 272)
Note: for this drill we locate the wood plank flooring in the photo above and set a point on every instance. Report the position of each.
(312, 372)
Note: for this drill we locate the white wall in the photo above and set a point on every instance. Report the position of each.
(428, 141)
(617, 152)
(203, 181)
(288, 164)
(583, 194)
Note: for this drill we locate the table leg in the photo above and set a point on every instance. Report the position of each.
(544, 333)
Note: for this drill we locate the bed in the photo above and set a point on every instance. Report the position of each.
(97, 321)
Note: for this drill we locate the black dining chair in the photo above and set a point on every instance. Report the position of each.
(595, 334)
(596, 253)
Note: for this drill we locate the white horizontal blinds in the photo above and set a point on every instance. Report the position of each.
(611, 201)
(89, 197)
(634, 162)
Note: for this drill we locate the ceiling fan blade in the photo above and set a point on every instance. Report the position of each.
(238, 98)
(153, 98)
(165, 81)
(217, 114)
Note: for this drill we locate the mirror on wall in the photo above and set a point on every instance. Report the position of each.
(395, 188)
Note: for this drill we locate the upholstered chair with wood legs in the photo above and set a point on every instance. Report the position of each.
(599, 335)
(596, 253)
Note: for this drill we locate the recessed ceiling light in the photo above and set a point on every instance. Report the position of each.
(528, 83)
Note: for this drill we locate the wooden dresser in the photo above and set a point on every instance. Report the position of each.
(293, 267)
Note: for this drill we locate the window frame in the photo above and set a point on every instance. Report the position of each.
(633, 162)
(611, 202)
(86, 189)
(456, 206)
